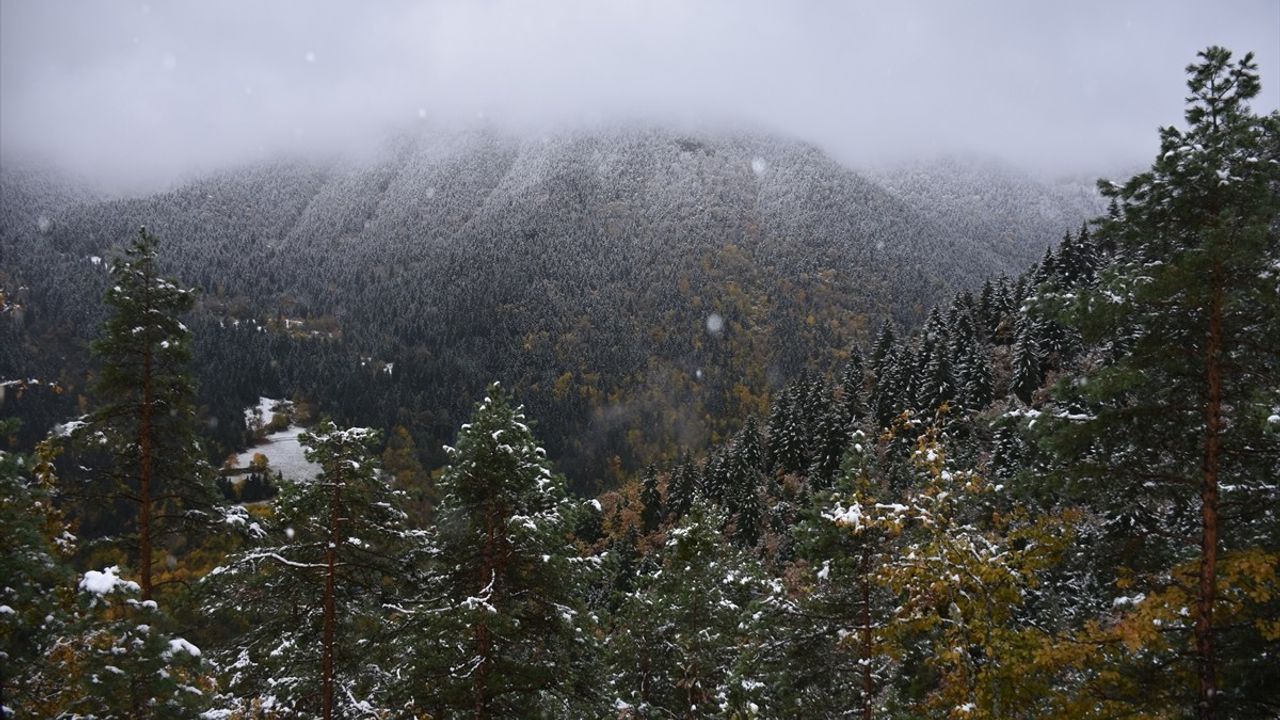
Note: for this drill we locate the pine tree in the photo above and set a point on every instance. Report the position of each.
(315, 585)
(511, 637)
(117, 660)
(1172, 431)
(147, 415)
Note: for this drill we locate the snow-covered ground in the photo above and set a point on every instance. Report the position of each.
(260, 415)
(282, 449)
(284, 453)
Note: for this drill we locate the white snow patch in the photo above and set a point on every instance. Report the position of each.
(178, 645)
(107, 581)
(284, 453)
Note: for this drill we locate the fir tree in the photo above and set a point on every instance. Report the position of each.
(976, 381)
(882, 349)
(1025, 379)
(787, 441)
(830, 438)
(852, 386)
(681, 488)
(748, 446)
(937, 386)
(651, 499)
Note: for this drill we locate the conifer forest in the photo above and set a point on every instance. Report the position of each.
(648, 422)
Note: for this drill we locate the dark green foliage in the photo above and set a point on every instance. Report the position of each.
(681, 488)
(853, 389)
(1167, 438)
(146, 416)
(277, 589)
(515, 639)
(678, 641)
(1026, 375)
(651, 499)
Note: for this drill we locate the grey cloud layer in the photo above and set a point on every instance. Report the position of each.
(147, 92)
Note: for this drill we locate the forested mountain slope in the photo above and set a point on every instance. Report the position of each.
(583, 267)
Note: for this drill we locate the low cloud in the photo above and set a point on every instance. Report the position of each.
(135, 93)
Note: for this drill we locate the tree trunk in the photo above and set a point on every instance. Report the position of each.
(330, 602)
(867, 685)
(1209, 508)
(488, 578)
(145, 431)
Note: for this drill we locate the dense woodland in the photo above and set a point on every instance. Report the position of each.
(581, 269)
(1054, 496)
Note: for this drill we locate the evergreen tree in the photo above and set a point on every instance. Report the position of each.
(400, 461)
(1172, 432)
(147, 413)
(836, 660)
(314, 587)
(988, 312)
(744, 504)
(681, 488)
(1046, 270)
(976, 390)
(34, 553)
(1025, 379)
(963, 576)
(937, 386)
(885, 342)
(680, 639)
(787, 441)
(651, 499)
(117, 660)
(891, 392)
(830, 438)
(512, 638)
(748, 446)
(852, 385)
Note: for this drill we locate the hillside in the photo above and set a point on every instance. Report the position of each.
(582, 268)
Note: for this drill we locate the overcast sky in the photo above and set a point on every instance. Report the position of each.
(131, 91)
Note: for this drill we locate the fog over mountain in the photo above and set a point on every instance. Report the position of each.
(138, 95)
